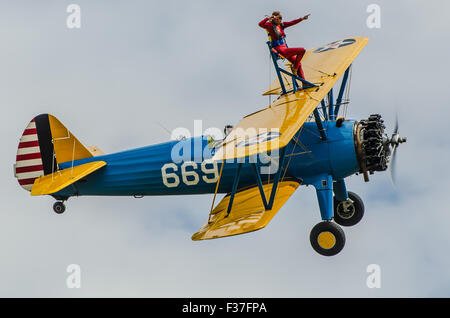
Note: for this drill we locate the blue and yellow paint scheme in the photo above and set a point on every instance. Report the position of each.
(298, 140)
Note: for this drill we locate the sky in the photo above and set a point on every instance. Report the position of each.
(136, 68)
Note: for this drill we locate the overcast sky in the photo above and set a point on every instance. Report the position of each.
(136, 65)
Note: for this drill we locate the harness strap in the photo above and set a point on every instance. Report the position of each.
(275, 30)
(279, 38)
(275, 43)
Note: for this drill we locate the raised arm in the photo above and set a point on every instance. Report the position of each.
(294, 22)
(264, 23)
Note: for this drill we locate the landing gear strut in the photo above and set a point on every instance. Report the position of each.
(327, 238)
(59, 207)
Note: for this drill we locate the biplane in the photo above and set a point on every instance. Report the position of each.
(302, 138)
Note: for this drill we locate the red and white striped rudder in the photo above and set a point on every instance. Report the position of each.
(28, 165)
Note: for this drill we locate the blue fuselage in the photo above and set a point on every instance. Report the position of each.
(152, 171)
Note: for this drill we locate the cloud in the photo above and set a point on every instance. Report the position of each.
(131, 66)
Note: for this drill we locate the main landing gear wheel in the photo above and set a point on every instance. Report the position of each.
(59, 207)
(327, 238)
(348, 213)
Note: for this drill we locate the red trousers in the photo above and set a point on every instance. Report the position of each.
(294, 55)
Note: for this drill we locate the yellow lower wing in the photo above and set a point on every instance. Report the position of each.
(247, 214)
(57, 181)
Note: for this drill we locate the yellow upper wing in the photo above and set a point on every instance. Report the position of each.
(247, 214)
(274, 127)
(322, 61)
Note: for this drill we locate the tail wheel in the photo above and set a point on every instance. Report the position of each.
(59, 207)
(327, 238)
(349, 213)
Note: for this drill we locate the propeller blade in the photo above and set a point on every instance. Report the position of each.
(396, 124)
(393, 165)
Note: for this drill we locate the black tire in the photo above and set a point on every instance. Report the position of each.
(327, 238)
(59, 207)
(354, 213)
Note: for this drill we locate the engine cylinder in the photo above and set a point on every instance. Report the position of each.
(370, 143)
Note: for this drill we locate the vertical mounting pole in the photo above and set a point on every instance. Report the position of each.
(274, 59)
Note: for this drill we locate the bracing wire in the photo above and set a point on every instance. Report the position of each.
(270, 77)
(317, 70)
(347, 92)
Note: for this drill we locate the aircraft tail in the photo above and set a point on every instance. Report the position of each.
(44, 144)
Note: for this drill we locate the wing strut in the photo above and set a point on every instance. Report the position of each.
(341, 91)
(324, 109)
(267, 205)
(217, 188)
(331, 105)
(323, 136)
(277, 178)
(235, 185)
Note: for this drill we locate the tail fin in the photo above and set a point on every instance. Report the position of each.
(45, 143)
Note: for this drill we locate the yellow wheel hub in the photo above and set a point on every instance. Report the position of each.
(326, 240)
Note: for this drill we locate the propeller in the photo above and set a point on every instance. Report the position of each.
(394, 142)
